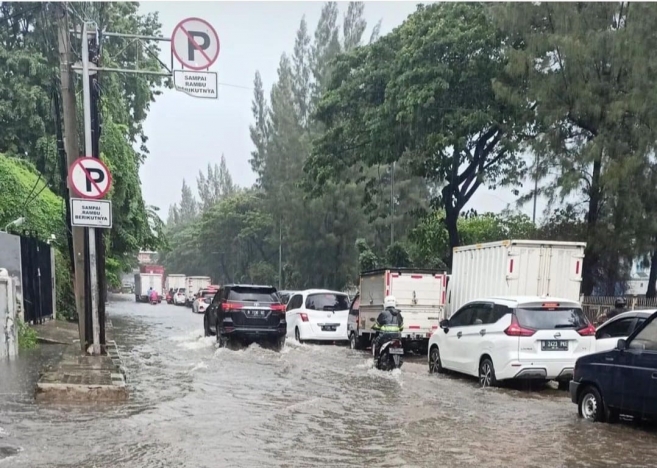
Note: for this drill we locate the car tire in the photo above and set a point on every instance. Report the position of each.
(487, 373)
(435, 364)
(590, 405)
(206, 326)
(563, 385)
(279, 344)
(297, 335)
(222, 341)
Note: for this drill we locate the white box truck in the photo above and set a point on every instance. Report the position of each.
(515, 268)
(420, 297)
(145, 281)
(193, 284)
(174, 282)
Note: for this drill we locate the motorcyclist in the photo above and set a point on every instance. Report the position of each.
(152, 295)
(620, 306)
(389, 324)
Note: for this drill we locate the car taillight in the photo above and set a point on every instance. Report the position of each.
(278, 307)
(304, 317)
(589, 330)
(516, 330)
(232, 306)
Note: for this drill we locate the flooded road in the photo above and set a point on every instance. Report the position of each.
(193, 405)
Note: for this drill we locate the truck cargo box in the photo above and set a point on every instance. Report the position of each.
(515, 268)
(420, 295)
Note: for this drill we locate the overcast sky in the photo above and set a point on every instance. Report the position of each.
(186, 133)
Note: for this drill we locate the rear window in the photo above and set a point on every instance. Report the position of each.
(551, 319)
(181, 290)
(253, 295)
(327, 302)
(208, 298)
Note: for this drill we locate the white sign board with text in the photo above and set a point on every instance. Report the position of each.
(196, 84)
(91, 213)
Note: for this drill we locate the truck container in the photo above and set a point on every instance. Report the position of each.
(153, 269)
(145, 281)
(174, 282)
(420, 297)
(193, 284)
(515, 268)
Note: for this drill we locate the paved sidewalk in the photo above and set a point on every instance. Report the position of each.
(78, 378)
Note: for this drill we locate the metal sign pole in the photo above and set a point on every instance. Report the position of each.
(88, 152)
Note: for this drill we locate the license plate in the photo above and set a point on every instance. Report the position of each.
(328, 328)
(554, 345)
(396, 350)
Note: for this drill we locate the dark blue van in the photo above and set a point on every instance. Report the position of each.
(622, 380)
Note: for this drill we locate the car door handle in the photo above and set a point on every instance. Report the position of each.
(482, 332)
(459, 334)
(609, 359)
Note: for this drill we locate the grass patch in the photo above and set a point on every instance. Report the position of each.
(27, 336)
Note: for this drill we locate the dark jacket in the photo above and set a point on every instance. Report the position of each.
(615, 311)
(389, 321)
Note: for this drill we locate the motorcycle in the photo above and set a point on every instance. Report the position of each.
(390, 355)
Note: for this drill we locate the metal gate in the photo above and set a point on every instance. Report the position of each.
(37, 279)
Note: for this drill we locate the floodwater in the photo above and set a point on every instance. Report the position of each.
(193, 405)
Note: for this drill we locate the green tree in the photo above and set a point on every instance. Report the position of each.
(425, 92)
(188, 205)
(584, 68)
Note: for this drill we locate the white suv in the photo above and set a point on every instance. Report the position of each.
(501, 338)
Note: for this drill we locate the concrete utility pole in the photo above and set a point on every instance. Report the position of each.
(72, 153)
(88, 151)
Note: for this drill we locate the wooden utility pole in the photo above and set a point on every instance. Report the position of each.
(72, 149)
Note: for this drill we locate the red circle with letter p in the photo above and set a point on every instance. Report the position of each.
(90, 178)
(195, 43)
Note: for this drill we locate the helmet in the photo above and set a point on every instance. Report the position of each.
(390, 301)
(620, 302)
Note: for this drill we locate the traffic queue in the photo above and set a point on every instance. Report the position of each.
(508, 311)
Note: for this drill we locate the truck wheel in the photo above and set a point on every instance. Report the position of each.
(355, 342)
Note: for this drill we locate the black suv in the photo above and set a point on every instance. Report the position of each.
(619, 381)
(246, 313)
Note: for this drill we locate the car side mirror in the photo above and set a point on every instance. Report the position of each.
(621, 345)
(444, 324)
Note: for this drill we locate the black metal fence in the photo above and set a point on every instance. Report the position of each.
(37, 279)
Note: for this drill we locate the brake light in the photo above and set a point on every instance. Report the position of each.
(516, 330)
(278, 307)
(304, 317)
(589, 330)
(232, 306)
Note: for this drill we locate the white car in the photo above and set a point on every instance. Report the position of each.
(503, 338)
(201, 303)
(619, 327)
(179, 296)
(317, 315)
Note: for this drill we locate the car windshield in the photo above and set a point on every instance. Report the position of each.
(327, 301)
(208, 298)
(246, 294)
(550, 319)
(181, 290)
